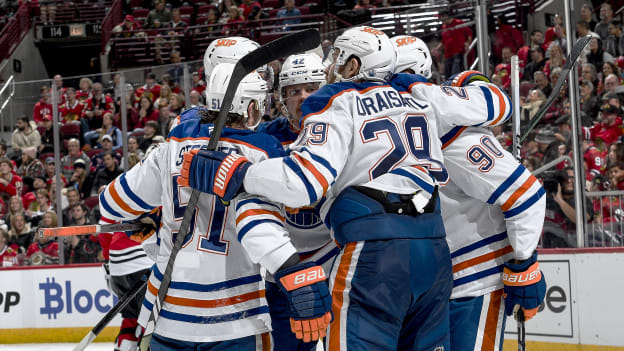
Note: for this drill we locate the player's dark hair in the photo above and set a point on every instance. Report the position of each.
(208, 116)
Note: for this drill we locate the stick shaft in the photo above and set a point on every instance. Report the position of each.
(90, 229)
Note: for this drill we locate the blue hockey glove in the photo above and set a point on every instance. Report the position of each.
(524, 286)
(309, 300)
(464, 78)
(214, 172)
(152, 225)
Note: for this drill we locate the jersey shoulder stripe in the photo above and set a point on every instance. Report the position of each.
(323, 98)
(453, 134)
(490, 103)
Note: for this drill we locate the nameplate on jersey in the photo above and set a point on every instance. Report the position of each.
(385, 100)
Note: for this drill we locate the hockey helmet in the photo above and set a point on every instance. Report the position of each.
(372, 47)
(300, 69)
(230, 49)
(251, 89)
(412, 53)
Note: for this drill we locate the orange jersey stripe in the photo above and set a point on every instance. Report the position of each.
(266, 342)
(310, 167)
(412, 85)
(491, 321)
(337, 295)
(448, 142)
(118, 200)
(519, 192)
(187, 138)
(258, 212)
(489, 256)
(501, 104)
(182, 301)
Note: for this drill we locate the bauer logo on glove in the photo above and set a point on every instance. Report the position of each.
(524, 286)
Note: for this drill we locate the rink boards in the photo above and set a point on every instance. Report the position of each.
(583, 309)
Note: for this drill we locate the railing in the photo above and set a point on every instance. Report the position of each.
(15, 30)
(64, 12)
(112, 18)
(607, 226)
(147, 47)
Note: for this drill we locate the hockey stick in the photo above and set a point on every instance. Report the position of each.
(521, 331)
(121, 304)
(284, 46)
(91, 229)
(575, 53)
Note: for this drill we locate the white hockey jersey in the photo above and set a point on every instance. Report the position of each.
(353, 133)
(493, 210)
(216, 292)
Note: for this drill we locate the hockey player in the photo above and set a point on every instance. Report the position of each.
(301, 76)
(369, 145)
(216, 297)
(493, 210)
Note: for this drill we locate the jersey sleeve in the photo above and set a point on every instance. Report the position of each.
(477, 104)
(316, 158)
(135, 192)
(479, 166)
(260, 229)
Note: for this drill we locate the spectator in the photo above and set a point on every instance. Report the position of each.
(542, 82)
(588, 73)
(611, 83)
(31, 167)
(176, 103)
(133, 160)
(177, 24)
(290, 10)
(10, 183)
(151, 130)
(583, 29)
(60, 90)
(613, 99)
(95, 136)
(587, 13)
(196, 99)
(25, 135)
(95, 109)
(145, 113)
(554, 34)
(615, 42)
(72, 109)
(596, 55)
(198, 84)
(80, 249)
(588, 100)
(159, 13)
(128, 28)
(176, 72)
(42, 204)
(107, 146)
(556, 59)
(530, 107)
(163, 99)
(106, 174)
(247, 7)
(47, 10)
(608, 130)
(602, 28)
(503, 69)
(45, 244)
(85, 89)
(73, 198)
(74, 153)
(151, 89)
(165, 118)
(538, 61)
(8, 251)
(20, 232)
(50, 169)
(507, 36)
(234, 21)
(455, 41)
(16, 206)
(81, 180)
(535, 39)
(361, 4)
(43, 107)
(133, 148)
